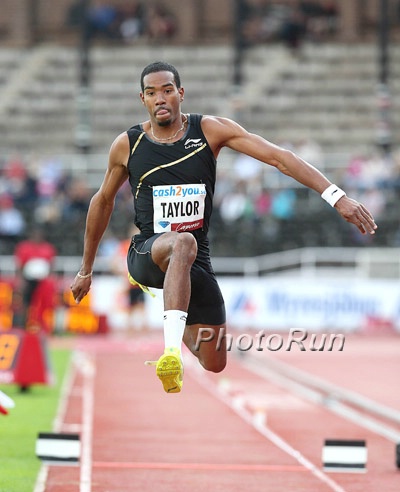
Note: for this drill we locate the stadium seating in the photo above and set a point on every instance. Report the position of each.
(328, 93)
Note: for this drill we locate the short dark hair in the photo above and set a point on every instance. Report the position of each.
(160, 66)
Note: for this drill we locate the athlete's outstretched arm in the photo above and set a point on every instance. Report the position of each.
(99, 213)
(223, 132)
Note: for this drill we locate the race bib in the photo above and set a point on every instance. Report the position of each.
(178, 207)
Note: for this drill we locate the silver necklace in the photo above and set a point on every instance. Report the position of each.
(168, 138)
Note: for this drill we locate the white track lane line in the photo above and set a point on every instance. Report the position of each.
(87, 368)
(198, 373)
(66, 389)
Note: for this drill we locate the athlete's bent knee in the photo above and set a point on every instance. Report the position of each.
(185, 245)
(217, 364)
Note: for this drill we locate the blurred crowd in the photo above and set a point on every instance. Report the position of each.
(266, 20)
(258, 202)
(251, 201)
(261, 21)
(126, 22)
(38, 191)
(42, 192)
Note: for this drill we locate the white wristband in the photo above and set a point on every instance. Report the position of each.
(332, 194)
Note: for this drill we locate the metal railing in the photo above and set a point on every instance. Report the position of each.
(308, 262)
(303, 262)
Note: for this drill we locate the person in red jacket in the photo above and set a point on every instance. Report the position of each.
(34, 259)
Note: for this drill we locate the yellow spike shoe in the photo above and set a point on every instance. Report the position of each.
(169, 369)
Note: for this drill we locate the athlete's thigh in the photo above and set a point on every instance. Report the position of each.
(162, 247)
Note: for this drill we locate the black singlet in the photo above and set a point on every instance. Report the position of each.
(189, 161)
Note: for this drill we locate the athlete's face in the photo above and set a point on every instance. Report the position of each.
(161, 97)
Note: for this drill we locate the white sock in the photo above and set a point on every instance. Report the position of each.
(174, 326)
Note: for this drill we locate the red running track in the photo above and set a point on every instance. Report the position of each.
(212, 437)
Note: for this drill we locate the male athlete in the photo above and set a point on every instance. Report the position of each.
(170, 161)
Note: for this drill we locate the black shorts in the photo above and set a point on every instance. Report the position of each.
(206, 304)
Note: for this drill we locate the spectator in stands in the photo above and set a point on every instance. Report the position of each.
(75, 14)
(267, 227)
(12, 221)
(353, 172)
(14, 173)
(283, 204)
(76, 202)
(160, 23)
(248, 170)
(105, 21)
(251, 14)
(170, 161)
(18, 181)
(396, 169)
(262, 203)
(294, 31)
(236, 204)
(369, 171)
(27, 197)
(49, 173)
(132, 23)
(49, 212)
(321, 18)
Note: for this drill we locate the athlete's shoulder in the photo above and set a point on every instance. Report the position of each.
(120, 140)
(219, 129)
(216, 122)
(206, 119)
(119, 150)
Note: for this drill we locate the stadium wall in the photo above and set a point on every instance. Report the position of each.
(280, 304)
